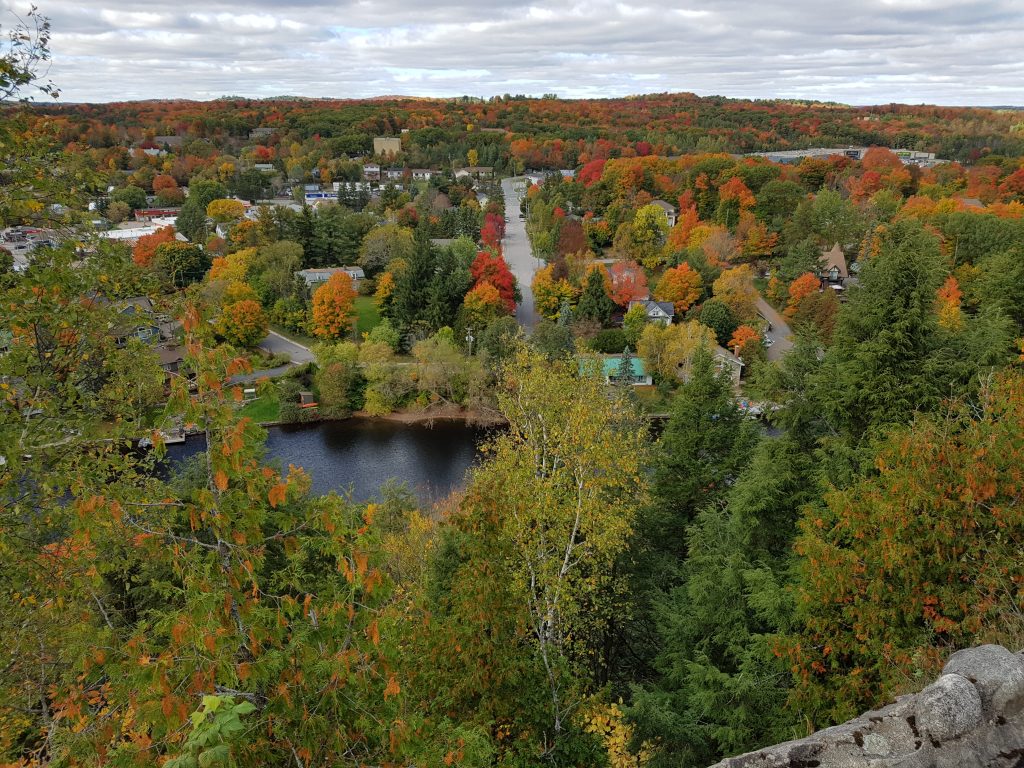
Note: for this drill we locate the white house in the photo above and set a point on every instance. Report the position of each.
(670, 211)
(657, 311)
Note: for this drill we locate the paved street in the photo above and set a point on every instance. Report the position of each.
(277, 344)
(516, 247)
(780, 334)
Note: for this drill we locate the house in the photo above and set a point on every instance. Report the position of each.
(728, 364)
(264, 167)
(725, 362)
(475, 171)
(657, 311)
(136, 319)
(395, 174)
(317, 276)
(387, 145)
(171, 356)
(833, 272)
(171, 142)
(260, 133)
(670, 211)
(611, 369)
(371, 172)
(422, 174)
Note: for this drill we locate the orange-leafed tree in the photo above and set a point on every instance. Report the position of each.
(332, 306)
(745, 343)
(914, 559)
(549, 293)
(145, 247)
(243, 323)
(680, 285)
(629, 282)
(947, 305)
(800, 288)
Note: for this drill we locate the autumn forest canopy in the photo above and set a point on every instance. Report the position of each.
(756, 459)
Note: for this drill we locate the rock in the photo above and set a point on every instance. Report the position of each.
(949, 707)
(997, 673)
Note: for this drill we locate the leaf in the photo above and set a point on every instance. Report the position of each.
(277, 494)
(220, 479)
(392, 688)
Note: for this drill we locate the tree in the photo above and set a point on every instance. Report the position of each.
(567, 475)
(144, 250)
(629, 283)
(182, 263)
(874, 609)
(492, 268)
(134, 384)
(332, 306)
(682, 286)
(717, 316)
(482, 305)
(271, 270)
(243, 323)
(800, 289)
(118, 211)
(549, 293)
(382, 245)
(225, 210)
(594, 303)
(720, 687)
(668, 351)
(633, 324)
(947, 305)
(131, 196)
(339, 380)
(648, 233)
(553, 340)
(745, 343)
(735, 288)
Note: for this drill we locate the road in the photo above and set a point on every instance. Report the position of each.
(276, 344)
(518, 254)
(780, 334)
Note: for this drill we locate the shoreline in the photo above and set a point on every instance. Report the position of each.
(470, 416)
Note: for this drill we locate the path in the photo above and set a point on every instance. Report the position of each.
(518, 253)
(780, 333)
(276, 344)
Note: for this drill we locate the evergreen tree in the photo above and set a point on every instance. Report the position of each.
(595, 304)
(720, 689)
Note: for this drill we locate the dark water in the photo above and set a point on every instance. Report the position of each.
(364, 453)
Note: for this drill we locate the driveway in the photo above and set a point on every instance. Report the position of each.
(518, 254)
(780, 334)
(276, 344)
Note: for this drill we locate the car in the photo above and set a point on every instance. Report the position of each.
(522, 215)
(768, 341)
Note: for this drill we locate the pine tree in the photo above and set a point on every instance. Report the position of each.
(594, 303)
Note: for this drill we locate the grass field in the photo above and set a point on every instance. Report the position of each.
(265, 408)
(367, 315)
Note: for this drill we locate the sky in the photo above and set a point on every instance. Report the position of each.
(951, 52)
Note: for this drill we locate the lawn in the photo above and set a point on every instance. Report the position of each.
(367, 315)
(262, 409)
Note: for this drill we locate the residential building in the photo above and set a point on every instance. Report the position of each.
(669, 209)
(611, 369)
(662, 312)
(319, 275)
(834, 272)
(260, 133)
(475, 171)
(422, 174)
(371, 172)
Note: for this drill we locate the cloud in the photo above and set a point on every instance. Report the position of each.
(872, 51)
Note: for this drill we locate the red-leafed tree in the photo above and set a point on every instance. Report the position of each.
(491, 268)
(493, 230)
(629, 282)
(145, 248)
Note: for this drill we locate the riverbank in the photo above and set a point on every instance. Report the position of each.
(474, 417)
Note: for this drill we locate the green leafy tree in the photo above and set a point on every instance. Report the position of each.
(339, 379)
(383, 245)
(131, 196)
(717, 316)
(181, 263)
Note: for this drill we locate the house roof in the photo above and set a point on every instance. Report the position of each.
(666, 207)
(835, 258)
(666, 307)
(610, 365)
(725, 354)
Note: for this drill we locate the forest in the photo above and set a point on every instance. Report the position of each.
(633, 575)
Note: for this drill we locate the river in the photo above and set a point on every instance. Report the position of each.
(362, 454)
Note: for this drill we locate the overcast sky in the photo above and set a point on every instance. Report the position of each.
(856, 51)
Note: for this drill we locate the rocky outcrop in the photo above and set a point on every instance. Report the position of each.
(971, 717)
